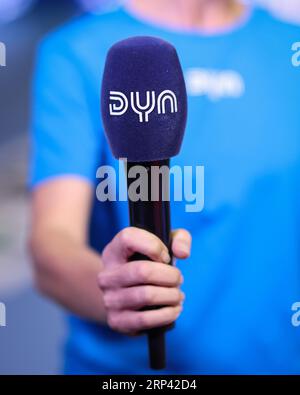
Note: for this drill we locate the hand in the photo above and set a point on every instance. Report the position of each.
(128, 287)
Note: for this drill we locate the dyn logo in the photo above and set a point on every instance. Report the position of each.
(2, 314)
(143, 111)
(2, 54)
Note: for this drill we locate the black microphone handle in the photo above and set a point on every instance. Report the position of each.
(153, 216)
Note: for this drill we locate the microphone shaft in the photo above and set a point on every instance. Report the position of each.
(153, 216)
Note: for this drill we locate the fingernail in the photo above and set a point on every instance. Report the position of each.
(165, 257)
(181, 279)
(184, 248)
(182, 296)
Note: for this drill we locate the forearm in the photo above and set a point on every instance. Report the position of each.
(66, 271)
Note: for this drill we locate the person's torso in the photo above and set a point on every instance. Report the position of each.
(243, 274)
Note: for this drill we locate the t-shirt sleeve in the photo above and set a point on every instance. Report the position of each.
(66, 139)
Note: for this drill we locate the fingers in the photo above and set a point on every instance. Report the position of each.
(134, 321)
(181, 243)
(131, 240)
(141, 296)
(139, 273)
(128, 287)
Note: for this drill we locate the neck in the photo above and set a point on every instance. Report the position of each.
(207, 15)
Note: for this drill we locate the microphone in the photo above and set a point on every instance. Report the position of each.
(144, 112)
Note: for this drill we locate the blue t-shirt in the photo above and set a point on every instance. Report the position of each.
(244, 127)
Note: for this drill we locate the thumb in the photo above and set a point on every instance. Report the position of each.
(181, 243)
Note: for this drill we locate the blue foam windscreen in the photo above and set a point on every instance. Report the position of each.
(144, 101)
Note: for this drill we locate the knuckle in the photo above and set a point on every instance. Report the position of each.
(126, 236)
(107, 300)
(105, 253)
(113, 321)
(101, 280)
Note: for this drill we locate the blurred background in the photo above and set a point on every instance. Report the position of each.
(34, 335)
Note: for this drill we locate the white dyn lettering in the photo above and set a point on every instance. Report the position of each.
(122, 107)
(143, 110)
(164, 101)
(161, 102)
